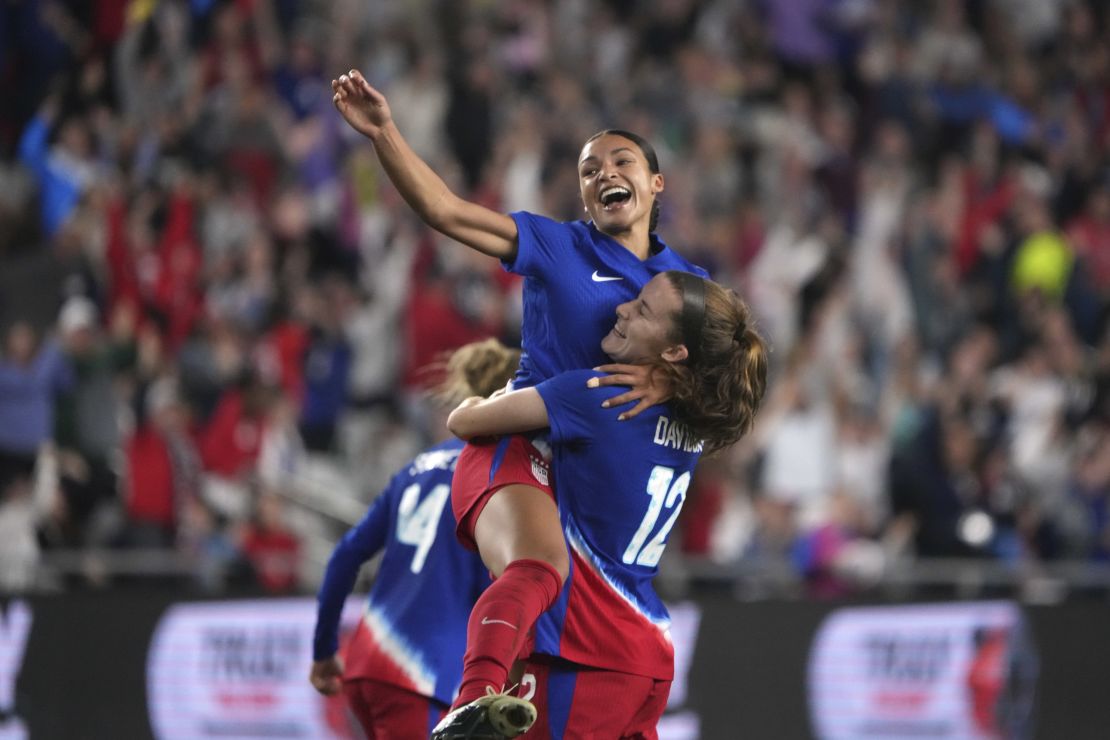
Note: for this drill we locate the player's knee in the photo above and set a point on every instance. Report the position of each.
(556, 557)
(558, 560)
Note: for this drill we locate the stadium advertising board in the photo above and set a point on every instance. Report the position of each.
(102, 665)
(15, 628)
(962, 671)
(681, 723)
(239, 669)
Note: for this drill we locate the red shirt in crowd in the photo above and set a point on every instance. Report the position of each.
(274, 554)
(150, 496)
(1091, 240)
(230, 443)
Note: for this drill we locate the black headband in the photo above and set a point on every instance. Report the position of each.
(693, 312)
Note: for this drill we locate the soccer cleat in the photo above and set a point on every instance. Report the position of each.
(491, 717)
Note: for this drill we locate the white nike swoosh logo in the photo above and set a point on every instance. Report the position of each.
(602, 279)
(487, 620)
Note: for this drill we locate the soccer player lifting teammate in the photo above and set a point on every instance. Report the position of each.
(575, 273)
(602, 662)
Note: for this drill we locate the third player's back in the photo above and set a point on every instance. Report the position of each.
(427, 582)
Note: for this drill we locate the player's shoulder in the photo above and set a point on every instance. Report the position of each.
(439, 458)
(673, 260)
(570, 380)
(451, 443)
(582, 233)
(542, 224)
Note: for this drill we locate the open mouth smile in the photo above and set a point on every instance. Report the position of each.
(614, 197)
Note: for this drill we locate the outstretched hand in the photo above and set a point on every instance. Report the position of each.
(647, 388)
(327, 676)
(360, 104)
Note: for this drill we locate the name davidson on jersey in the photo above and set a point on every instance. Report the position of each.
(676, 435)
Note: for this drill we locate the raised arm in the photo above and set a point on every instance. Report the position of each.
(480, 228)
(508, 413)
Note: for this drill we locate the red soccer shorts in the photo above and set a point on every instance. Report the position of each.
(387, 712)
(485, 467)
(574, 701)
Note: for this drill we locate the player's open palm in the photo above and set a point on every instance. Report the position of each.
(360, 104)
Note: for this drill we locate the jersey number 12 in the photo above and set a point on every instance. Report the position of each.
(663, 494)
(417, 524)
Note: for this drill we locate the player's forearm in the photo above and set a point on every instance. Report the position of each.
(339, 579)
(426, 193)
(518, 411)
(420, 186)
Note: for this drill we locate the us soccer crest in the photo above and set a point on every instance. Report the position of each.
(539, 470)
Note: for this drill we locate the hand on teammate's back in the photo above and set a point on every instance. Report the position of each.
(327, 676)
(360, 104)
(646, 387)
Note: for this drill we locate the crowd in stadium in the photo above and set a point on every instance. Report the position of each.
(207, 284)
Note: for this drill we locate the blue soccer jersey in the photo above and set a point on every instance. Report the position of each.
(621, 486)
(575, 277)
(413, 633)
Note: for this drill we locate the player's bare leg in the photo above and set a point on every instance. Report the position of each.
(520, 538)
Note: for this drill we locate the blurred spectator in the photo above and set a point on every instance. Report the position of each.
(26, 505)
(327, 367)
(799, 469)
(837, 558)
(229, 445)
(935, 482)
(281, 455)
(163, 469)
(862, 462)
(32, 372)
(270, 547)
(63, 171)
(153, 70)
(87, 421)
(205, 538)
(1089, 491)
(1089, 237)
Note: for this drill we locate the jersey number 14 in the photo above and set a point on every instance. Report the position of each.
(417, 524)
(663, 494)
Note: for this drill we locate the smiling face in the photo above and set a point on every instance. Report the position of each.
(646, 326)
(616, 184)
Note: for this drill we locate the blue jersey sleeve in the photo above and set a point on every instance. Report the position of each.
(539, 242)
(574, 411)
(357, 546)
(33, 150)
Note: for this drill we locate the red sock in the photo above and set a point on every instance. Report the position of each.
(500, 622)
